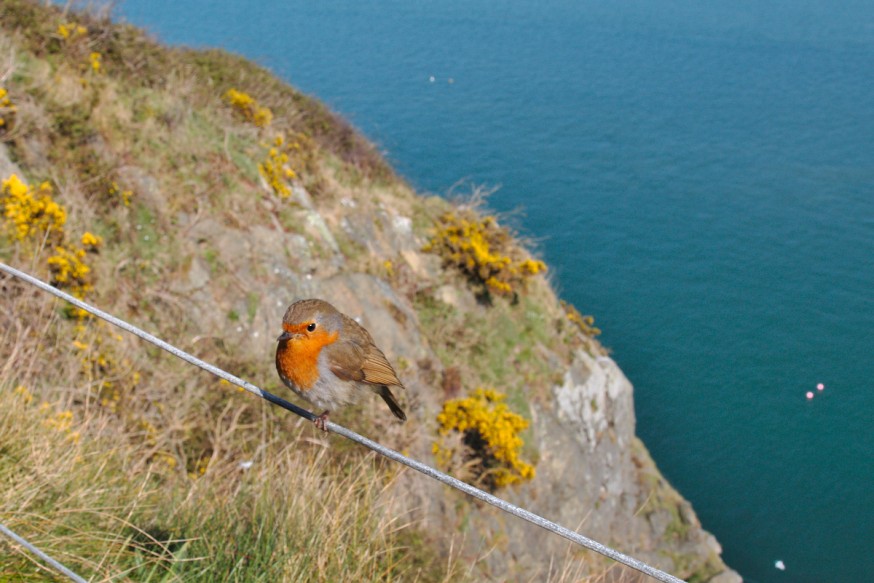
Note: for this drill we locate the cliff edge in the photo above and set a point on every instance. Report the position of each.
(201, 196)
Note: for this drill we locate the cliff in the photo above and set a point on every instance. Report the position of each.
(219, 195)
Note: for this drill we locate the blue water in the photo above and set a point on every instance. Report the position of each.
(701, 178)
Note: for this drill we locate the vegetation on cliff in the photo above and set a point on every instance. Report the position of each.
(194, 193)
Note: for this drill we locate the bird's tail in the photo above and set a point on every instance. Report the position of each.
(389, 399)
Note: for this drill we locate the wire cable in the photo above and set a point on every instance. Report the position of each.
(56, 565)
(340, 430)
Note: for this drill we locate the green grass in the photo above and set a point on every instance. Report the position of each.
(100, 508)
(496, 346)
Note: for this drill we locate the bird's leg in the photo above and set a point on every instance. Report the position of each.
(321, 420)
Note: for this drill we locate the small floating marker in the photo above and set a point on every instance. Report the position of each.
(780, 565)
(809, 395)
(451, 81)
(820, 387)
(432, 78)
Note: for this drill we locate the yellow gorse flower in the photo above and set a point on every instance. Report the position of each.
(68, 31)
(7, 108)
(491, 431)
(246, 106)
(69, 271)
(115, 191)
(30, 215)
(91, 241)
(484, 251)
(96, 62)
(30, 211)
(275, 170)
(586, 324)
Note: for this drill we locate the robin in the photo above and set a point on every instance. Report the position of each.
(329, 359)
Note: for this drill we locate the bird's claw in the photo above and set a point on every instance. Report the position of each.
(321, 421)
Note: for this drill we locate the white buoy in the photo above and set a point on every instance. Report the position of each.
(809, 394)
(820, 387)
(780, 565)
(432, 78)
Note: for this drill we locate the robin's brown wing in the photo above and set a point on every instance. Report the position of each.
(377, 369)
(351, 361)
(346, 360)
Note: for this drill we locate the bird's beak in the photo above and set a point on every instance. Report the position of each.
(285, 336)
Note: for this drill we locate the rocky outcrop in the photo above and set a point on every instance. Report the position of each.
(596, 477)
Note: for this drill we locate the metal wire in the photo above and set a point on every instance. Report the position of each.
(56, 565)
(340, 430)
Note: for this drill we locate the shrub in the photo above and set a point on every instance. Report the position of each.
(275, 169)
(91, 241)
(586, 324)
(490, 441)
(70, 271)
(69, 31)
(117, 194)
(7, 110)
(31, 214)
(484, 251)
(30, 211)
(96, 60)
(245, 105)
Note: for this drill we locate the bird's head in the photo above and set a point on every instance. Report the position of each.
(310, 319)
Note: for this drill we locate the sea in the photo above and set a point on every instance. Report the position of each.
(699, 176)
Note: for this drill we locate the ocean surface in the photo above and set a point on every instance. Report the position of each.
(700, 178)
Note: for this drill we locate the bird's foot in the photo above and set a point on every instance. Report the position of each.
(321, 421)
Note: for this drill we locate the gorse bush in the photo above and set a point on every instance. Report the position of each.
(586, 324)
(30, 212)
(118, 194)
(282, 155)
(245, 105)
(484, 251)
(7, 110)
(31, 217)
(71, 31)
(70, 271)
(275, 169)
(96, 60)
(91, 241)
(75, 42)
(489, 438)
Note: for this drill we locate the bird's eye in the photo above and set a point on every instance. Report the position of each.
(311, 327)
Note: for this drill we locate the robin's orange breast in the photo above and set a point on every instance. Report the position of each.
(298, 358)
